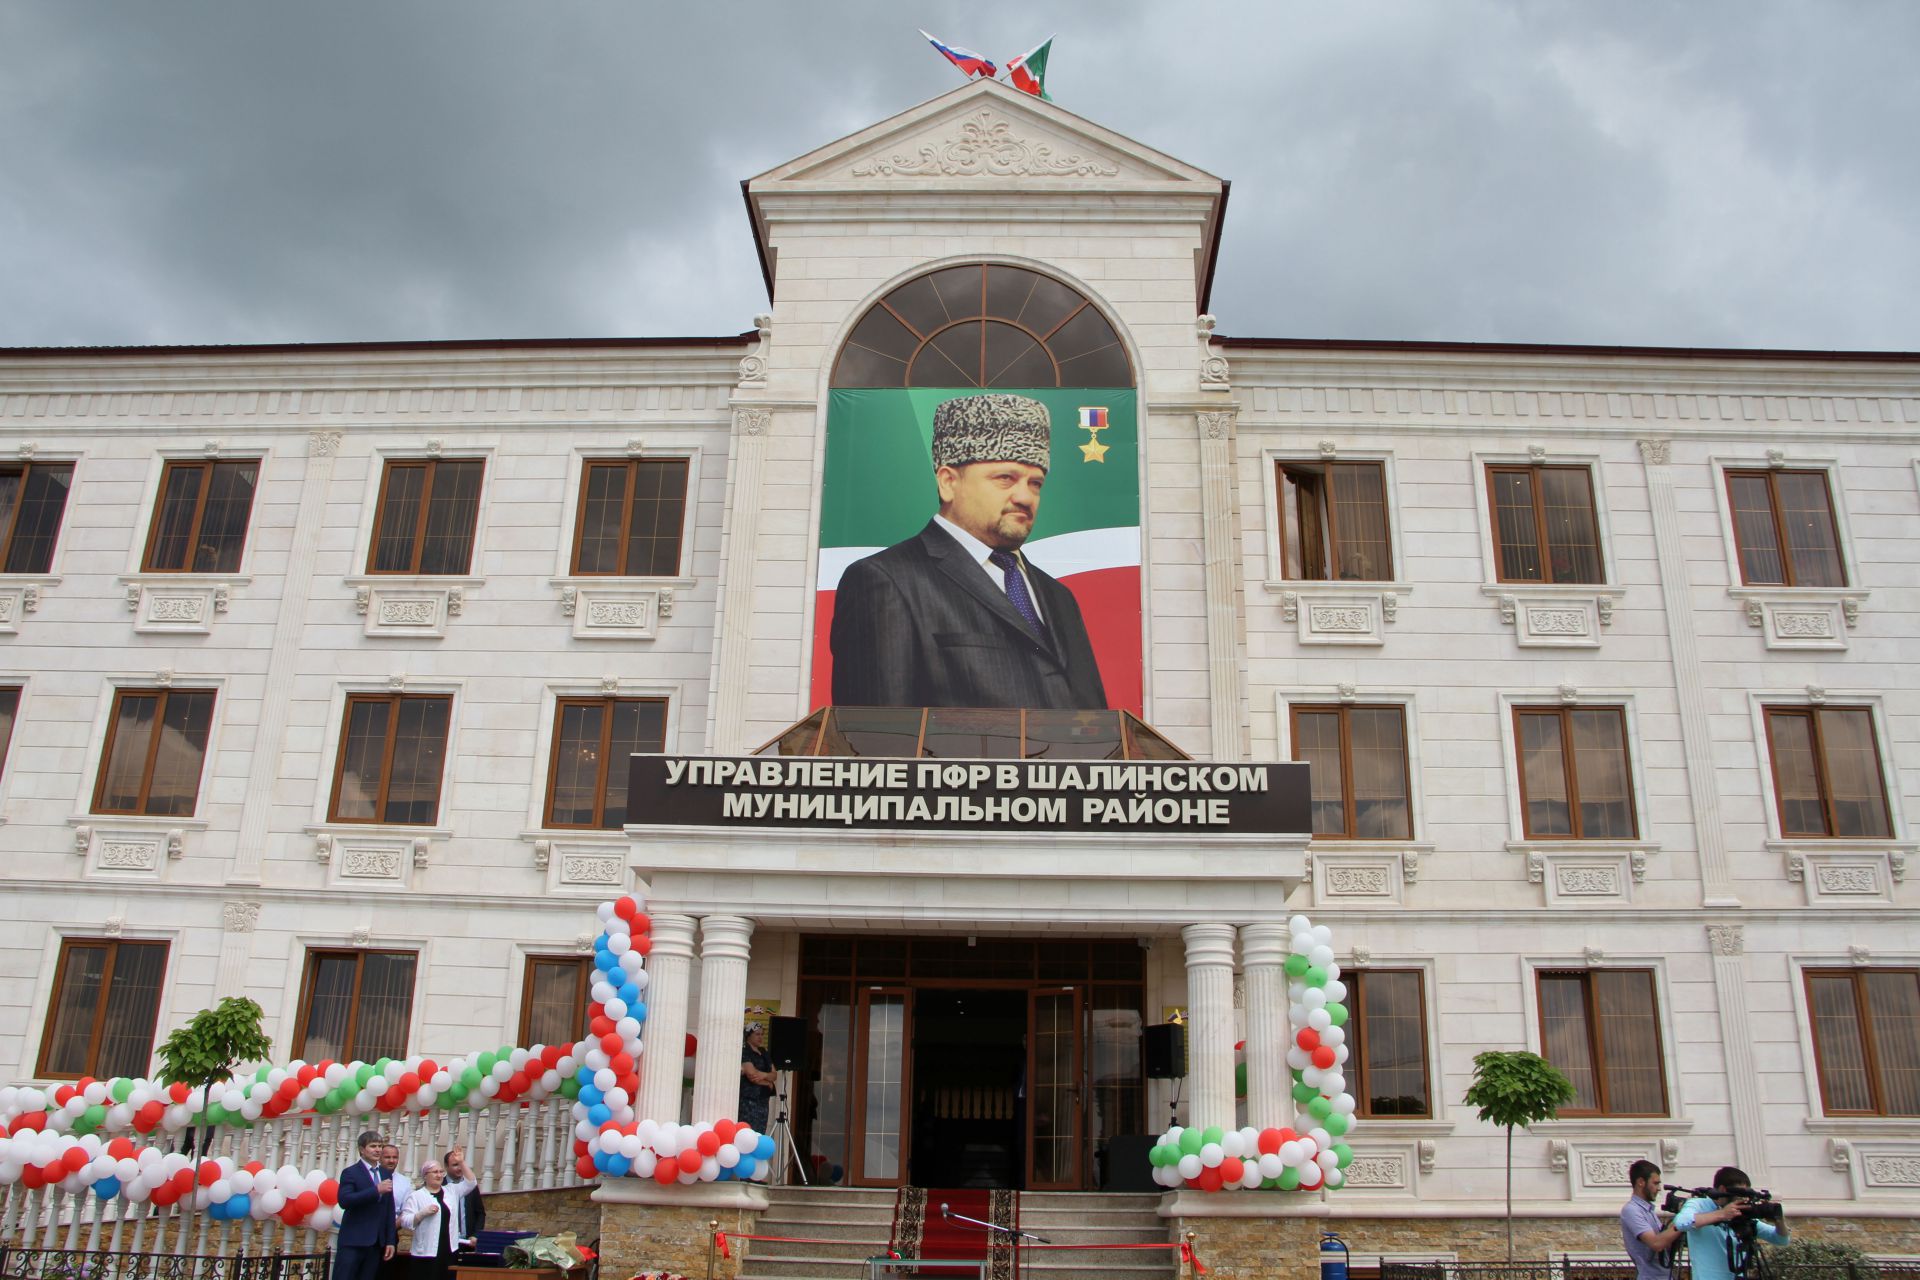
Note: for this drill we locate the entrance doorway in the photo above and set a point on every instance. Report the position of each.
(947, 1062)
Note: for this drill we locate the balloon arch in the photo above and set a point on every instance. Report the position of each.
(98, 1134)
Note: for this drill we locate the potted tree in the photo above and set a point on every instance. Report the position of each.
(1515, 1088)
(205, 1051)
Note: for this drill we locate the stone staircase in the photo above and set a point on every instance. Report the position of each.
(858, 1221)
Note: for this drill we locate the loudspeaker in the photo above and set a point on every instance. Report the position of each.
(1166, 1046)
(786, 1042)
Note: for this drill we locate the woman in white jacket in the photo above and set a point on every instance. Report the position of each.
(426, 1214)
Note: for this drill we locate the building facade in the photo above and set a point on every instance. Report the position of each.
(323, 663)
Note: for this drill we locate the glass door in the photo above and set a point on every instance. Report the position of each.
(1054, 1068)
(880, 1091)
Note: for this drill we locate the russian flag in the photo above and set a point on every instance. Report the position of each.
(968, 61)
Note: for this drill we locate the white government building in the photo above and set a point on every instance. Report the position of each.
(321, 665)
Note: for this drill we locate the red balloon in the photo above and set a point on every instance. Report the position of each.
(552, 1053)
(253, 1166)
(63, 1095)
(75, 1158)
(1287, 1134)
(689, 1160)
(595, 1009)
(579, 1146)
(631, 1083)
(600, 1026)
(585, 1167)
(1210, 1179)
(1231, 1169)
(693, 1044)
(625, 908)
(611, 1042)
(428, 1068)
(622, 1063)
(666, 1171)
(707, 1143)
(518, 1083)
(1270, 1141)
(305, 1203)
(642, 943)
(183, 1180)
(32, 1179)
(726, 1129)
(330, 1192)
(179, 1092)
(210, 1173)
(641, 922)
(1325, 1057)
(120, 1148)
(409, 1083)
(1308, 1039)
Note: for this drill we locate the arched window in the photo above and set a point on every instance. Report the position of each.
(983, 326)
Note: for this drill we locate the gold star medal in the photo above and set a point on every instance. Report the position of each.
(1093, 421)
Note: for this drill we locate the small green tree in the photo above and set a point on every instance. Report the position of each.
(1841, 1259)
(1515, 1088)
(205, 1051)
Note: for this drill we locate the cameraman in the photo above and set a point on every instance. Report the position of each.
(1648, 1243)
(1719, 1251)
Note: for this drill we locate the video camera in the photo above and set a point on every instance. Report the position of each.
(1756, 1205)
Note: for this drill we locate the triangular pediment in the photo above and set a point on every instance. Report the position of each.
(983, 132)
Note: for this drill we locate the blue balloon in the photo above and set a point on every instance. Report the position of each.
(599, 1113)
(765, 1150)
(637, 1010)
(107, 1188)
(591, 1095)
(629, 996)
(745, 1168)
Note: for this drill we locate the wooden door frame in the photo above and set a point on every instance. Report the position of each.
(1077, 1180)
(857, 1137)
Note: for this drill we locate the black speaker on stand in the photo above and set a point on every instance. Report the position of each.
(1166, 1051)
(786, 1042)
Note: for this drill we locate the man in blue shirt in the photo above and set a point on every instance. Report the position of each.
(1647, 1242)
(1716, 1250)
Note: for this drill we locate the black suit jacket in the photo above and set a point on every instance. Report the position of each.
(368, 1221)
(922, 624)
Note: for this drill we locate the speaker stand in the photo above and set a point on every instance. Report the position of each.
(782, 1081)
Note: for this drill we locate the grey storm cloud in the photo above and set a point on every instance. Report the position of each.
(1714, 173)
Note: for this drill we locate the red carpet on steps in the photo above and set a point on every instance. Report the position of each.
(920, 1230)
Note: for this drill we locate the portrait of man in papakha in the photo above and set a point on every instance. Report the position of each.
(980, 550)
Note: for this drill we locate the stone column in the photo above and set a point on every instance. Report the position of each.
(663, 1039)
(1209, 1023)
(1696, 731)
(1728, 944)
(723, 1007)
(1220, 540)
(1264, 949)
(283, 660)
(733, 632)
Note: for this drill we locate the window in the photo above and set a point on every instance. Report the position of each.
(156, 745)
(1600, 1027)
(426, 517)
(355, 1005)
(106, 1003)
(983, 326)
(9, 709)
(553, 1004)
(1387, 1033)
(632, 511)
(1544, 529)
(200, 518)
(1574, 777)
(1826, 773)
(1359, 775)
(1866, 1040)
(393, 748)
(1784, 528)
(33, 497)
(1333, 522)
(592, 738)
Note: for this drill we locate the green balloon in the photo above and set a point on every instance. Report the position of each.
(216, 1114)
(1296, 966)
(121, 1089)
(260, 1076)
(1214, 1134)
(459, 1092)
(505, 1054)
(570, 1087)
(1342, 1152)
(1339, 1124)
(1191, 1140)
(1240, 1080)
(1320, 1108)
(361, 1076)
(382, 1065)
(470, 1077)
(1316, 976)
(1289, 1178)
(486, 1063)
(1338, 1012)
(1163, 1154)
(1305, 1093)
(1268, 1184)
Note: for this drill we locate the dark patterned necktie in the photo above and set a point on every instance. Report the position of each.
(1009, 564)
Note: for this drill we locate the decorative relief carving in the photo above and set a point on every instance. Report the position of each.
(176, 608)
(1557, 622)
(1359, 881)
(542, 854)
(361, 937)
(1557, 1151)
(1216, 426)
(1536, 453)
(1597, 1170)
(583, 942)
(1669, 1154)
(239, 917)
(1891, 1170)
(82, 839)
(618, 613)
(1845, 877)
(123, 854)
(222, 598)
(1818, 624)
(1213, 372)
(583, 868)
(753, 365)
(1569, 694)
(1849, 609)
(752, 422)
(1796, 868)
(133, 598)
(30, 599)
(1756, 613)
(1588, 882)
(1603, 606)
(1536, 867)
(1377, 1171)
(1428, 1151)
(609, 683)
(1594, 956)
(569, 600)
(176, 844)
(407, 613)
(1816, 695)
(1362, 957)
(636, 445)
(323, 847)
(422, 850)
(7, 603)
(1389, 606)
(1340, 618)
(1656, 453)
(986, 147)
(397, 681)
(1329, 449)
(114, 926)
(434, 446)
(370, 864)
(1776, 458)
(1290, 605)
(323, 444)
(1897, 865)
(1859, 954)
(456, 601)
(665, 607)
(1508, 607)
(1727, 939)
(1637, 861)
(1410, 866)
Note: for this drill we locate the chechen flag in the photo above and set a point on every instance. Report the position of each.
(966, 59)
(1028, 72)
(878, 489)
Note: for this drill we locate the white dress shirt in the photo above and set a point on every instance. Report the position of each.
(981, 552)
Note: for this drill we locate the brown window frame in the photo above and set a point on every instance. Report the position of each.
(1780, 544)
(42, 1069)
(153, 747)
(206, 468)
(18, 693)
(1596, 1049)
(393, 700)
(432, 467)
(1569, 772)
(1533, 471)
(25, 470)
(1362, 1093)
(1869, 1044)
(607, 703)
(583, 992)
(1820, 770)
(1322, 474)
(310, 971)
(632, 468)
(1349, 805)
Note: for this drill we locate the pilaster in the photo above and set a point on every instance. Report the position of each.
(1219, 522)
(669, 966)
(733, 629)
(1728, 944)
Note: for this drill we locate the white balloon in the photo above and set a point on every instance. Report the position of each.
(1335, 989)
(728, 1155)
(608, 1141)
(1321, 955)
(1321, 1139)
(616, 1008)
(1314, 998)
(1326, 1160)
(1190, 1167)
(1299, 924)
(1333, 970)
(620, 944)
(1319, 1019)
(1250, 1175)
(1322, 935)
(1270, 1165)
(1335, 1036)
(1311, 1175)
(1334, 1178)
(1343, 1105)
(1211, 1155)
(1233, 1144)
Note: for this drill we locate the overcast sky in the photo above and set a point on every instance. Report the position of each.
(1698, 173)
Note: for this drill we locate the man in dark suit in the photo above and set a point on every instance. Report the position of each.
(955, 616)
(367, 1233)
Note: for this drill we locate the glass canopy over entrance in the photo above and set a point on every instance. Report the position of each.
(973, 733)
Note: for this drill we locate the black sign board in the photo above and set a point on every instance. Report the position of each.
(860, 794)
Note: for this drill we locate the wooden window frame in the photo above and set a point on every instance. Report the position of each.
(1533, 470)
(1781, 546)
(1349, 805)
(153, 748)
(607, 703)
(393, 700)
(310, 970)
(1361, 1091)
(1323, 471)
(1569, 772)
(25, 468)
(19, 693)
(1869, 1045)
(1812, 715)
(432, 467)
(632, 468)
(583, 989)
(41, 1067)
(1596, 1048)
(206, 467)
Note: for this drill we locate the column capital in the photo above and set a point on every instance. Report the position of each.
(672, 936)
(1209, 944)
(725, 937)
(1265, 943)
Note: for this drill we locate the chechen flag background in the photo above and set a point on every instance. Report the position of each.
(878, 489)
